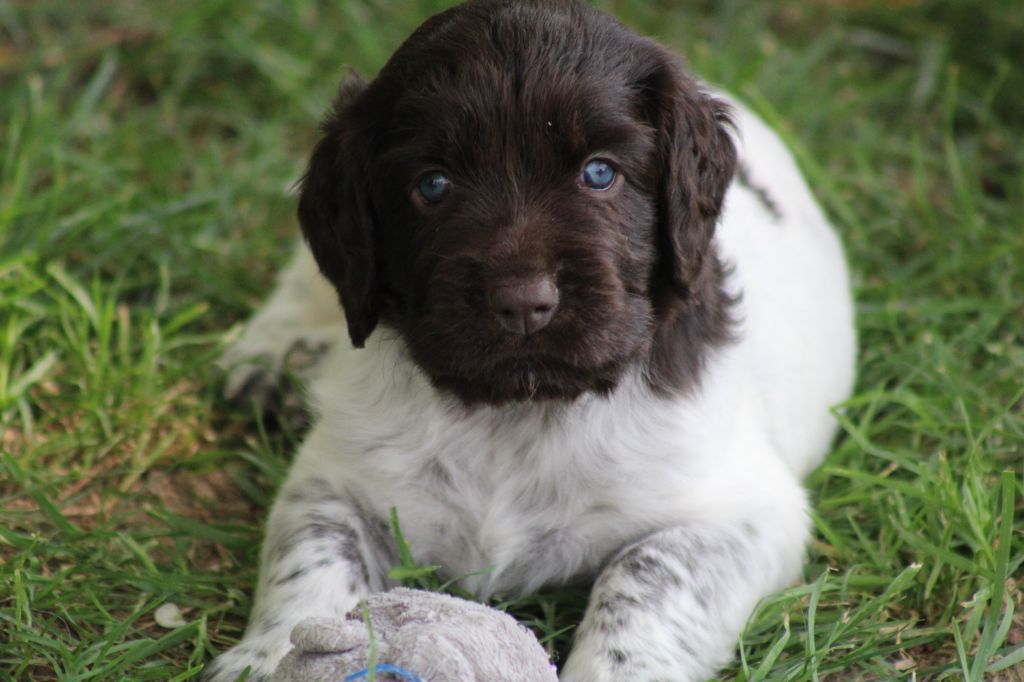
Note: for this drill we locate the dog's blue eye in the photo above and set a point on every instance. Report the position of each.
(598, 174)
(434, 186)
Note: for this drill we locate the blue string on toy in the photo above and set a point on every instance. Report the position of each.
(383, 668)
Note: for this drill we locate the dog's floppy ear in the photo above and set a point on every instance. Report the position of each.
(336, 215)
(696, 161)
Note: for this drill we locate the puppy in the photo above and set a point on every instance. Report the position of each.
(597, 321)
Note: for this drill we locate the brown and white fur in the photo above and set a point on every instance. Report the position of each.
(676, 341)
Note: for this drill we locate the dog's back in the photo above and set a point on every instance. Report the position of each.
(796, 310)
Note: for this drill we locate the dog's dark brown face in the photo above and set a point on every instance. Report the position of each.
(527, 194)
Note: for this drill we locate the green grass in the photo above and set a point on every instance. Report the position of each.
(146, 154)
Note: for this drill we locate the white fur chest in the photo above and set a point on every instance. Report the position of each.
(513, 497)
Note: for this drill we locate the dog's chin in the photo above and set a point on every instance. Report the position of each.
(530, 380)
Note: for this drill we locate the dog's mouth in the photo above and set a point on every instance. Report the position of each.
(530, 378)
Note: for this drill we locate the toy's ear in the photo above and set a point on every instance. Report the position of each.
(696, 160)
(335, 211)
(322, 635)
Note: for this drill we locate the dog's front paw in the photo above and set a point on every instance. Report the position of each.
(615, 665)
(581, 669)
(251, 661)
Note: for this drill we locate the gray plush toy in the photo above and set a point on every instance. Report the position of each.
(419, 636)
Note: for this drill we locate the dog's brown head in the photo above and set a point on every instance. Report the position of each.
(527, 193)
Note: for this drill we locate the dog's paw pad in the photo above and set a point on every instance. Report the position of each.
(251, 380)
(255, 364)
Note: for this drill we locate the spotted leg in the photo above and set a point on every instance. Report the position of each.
(320, 556)
(671, 607)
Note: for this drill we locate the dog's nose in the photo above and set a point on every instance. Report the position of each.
(525, 307)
